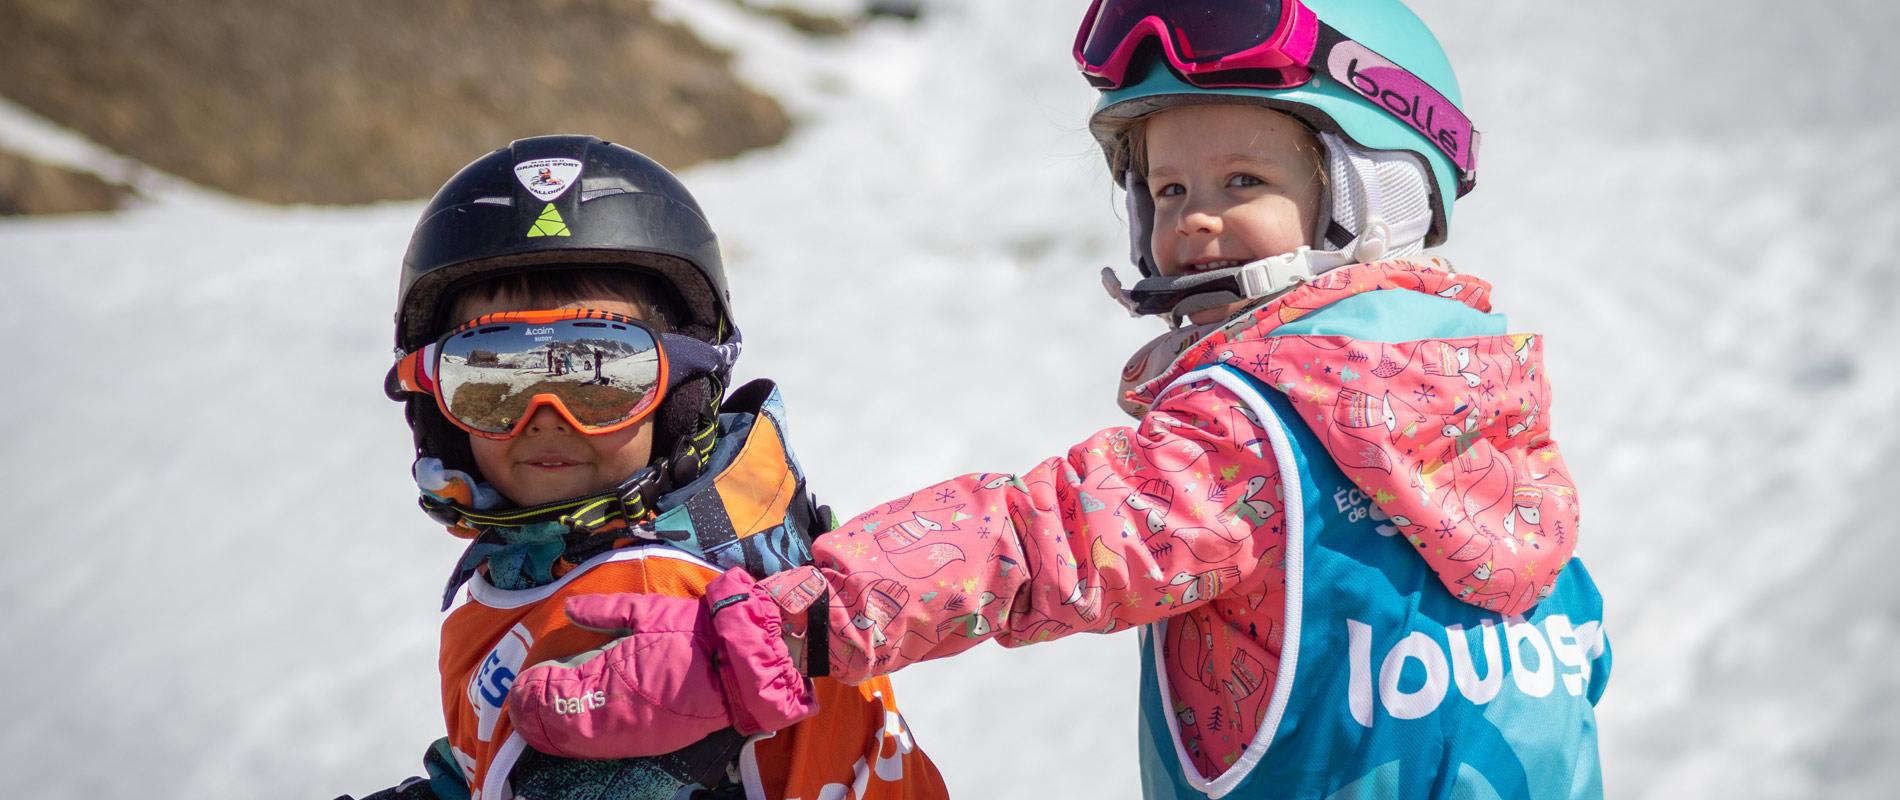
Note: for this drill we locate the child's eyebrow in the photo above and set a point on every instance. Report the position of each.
(1263, 162)
(1250, 159)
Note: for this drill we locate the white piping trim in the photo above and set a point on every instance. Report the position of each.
(481, 591)
(496, 781)
(749, 767)
(1295, 510)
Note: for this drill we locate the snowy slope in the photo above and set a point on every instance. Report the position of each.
(217, 585)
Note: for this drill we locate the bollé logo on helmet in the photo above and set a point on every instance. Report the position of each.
(547, 178)
(1405, 96)
(488, 690)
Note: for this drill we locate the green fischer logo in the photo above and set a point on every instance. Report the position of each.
(549, 223)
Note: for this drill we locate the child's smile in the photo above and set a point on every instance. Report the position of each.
(1209, 265)
(1232, 184)
(552, 463)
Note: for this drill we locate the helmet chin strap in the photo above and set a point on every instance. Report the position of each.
(1175, 297)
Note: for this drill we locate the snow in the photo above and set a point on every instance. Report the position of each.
(217, 584)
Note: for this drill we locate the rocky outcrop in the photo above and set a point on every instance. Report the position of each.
(353, 101)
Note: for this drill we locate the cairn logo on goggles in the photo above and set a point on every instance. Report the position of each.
(1403, 95)
(548, 178)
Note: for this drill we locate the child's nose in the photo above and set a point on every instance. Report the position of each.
(1200, 214)
(1200, 221)
(546, 421)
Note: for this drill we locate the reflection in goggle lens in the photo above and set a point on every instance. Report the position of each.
(602, 371)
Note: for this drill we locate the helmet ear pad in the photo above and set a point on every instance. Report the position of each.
(687, 418)
(438, 438)
(1141, 220)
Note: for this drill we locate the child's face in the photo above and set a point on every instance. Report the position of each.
(550, 460)
(1231, 184)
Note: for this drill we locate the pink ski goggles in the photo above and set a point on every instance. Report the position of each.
(1267, 44)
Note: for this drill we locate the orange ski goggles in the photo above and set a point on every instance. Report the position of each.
(601, 372)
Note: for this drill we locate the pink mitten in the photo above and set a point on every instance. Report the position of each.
(681, 669)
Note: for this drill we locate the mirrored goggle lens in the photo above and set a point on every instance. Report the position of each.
(1203, 30)
(604, 372)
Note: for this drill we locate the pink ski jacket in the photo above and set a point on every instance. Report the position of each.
(1180, 516)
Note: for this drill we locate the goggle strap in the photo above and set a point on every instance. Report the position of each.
(1404, 96)
(411, 374)
(687, 357)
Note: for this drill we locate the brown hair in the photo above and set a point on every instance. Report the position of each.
(659, 304)
(1129, 145)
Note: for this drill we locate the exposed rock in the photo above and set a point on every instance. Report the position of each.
(801, 20)
(30, 187)
(352, 101)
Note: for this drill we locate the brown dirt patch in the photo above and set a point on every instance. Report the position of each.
(30, 187)
(352, 101)
(800, 20)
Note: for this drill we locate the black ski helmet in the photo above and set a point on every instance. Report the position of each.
(562, 203)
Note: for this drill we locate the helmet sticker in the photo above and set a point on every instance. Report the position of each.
(547, 178)
(549, 223)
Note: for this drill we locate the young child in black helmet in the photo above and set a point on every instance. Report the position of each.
(576, 486)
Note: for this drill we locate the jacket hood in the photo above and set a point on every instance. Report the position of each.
(1447, 434)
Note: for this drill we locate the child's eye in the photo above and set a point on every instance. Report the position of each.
(1243, 180)
(1170, 190)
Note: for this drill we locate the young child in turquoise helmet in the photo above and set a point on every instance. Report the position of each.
(1339, 522)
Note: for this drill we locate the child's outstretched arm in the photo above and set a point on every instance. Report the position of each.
(1133, 525)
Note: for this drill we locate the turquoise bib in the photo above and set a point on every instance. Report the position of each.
(1395, 689)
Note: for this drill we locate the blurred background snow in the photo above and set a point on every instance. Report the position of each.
(216, 584)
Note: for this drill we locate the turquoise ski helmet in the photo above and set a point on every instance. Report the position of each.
(1385, 26)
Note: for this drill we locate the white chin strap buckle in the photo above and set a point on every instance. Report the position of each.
(1271, 276)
